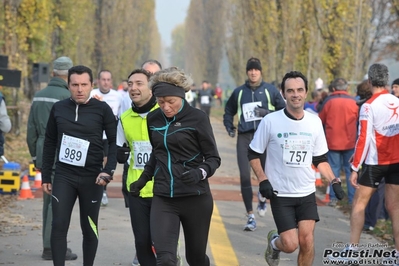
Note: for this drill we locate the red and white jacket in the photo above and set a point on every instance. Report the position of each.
(378, 140)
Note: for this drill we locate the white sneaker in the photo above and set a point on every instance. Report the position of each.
(135, 261)
(104, 200)
(262, 209)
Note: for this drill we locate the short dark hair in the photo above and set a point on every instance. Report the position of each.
(140, 71)
(293, 75)
(151, 61)
(103, 70)
(80, 70)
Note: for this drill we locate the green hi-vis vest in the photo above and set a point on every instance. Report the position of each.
(136, 134)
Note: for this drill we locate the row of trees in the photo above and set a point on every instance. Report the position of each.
(116, 35)
(321, 38)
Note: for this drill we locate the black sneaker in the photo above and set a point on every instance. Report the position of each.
(47, 254)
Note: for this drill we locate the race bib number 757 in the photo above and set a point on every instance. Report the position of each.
(297, 153)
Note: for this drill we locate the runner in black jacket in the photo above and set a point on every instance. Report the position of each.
(74, 137)
(184, 155)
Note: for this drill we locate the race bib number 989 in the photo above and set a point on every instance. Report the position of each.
(73, 150)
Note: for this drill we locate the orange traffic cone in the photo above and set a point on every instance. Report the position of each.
(327, 197)
(38, 180)
(25, 192)
(319, 182)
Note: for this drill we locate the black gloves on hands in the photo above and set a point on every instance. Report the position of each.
(266, 189)
(260, 111)
(339, 192)
(136, 186)
(232, 132)
(122, 153)
(191, 177)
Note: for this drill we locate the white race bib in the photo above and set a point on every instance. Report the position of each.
(297, 153)
(205, 99)
(141, 152)
(248, 111)
(73, 150)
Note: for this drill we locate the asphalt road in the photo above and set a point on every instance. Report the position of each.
(20, 225)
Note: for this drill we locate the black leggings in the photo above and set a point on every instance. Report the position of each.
(194, 213)
(243, 141)
(140, 209)
(65, 191)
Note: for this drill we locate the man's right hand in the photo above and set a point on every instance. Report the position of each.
(47, 188)
(232, 132)
(266, 189)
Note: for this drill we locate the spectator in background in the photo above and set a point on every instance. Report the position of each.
(106, 93)
(190, 95)
(205, 97)
(395, 87)
(219, 94)
(339, 114)
(5, 123)
(43, 101)
(311, 106)
(122, 88)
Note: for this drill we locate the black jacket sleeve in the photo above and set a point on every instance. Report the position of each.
(50, 147)
(109, 124)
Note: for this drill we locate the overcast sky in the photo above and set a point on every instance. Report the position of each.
(169, 14)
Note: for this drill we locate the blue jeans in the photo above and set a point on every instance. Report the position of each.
(340, 160)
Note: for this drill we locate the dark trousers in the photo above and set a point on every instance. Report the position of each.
(194, 213)
(243, 141)
(139, 209)
(66, 189)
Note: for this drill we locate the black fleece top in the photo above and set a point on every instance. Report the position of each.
(181, 143)
(83, 121)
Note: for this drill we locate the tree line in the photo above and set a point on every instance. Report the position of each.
(101, 34)
(320, 38)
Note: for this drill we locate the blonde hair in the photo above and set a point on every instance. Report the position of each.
(172, 75)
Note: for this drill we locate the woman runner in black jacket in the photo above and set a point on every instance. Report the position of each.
(184, 155)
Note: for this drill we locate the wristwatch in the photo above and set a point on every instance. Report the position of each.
(336, 180)
(204, 174)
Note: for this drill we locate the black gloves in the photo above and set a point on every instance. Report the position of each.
(106, 178)
(336, 185)
(266, 189)
(122, 153)
(232, 132)
(136, 186)
(192, 177)
(261, 111)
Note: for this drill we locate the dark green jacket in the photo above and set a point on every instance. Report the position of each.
(42, 103)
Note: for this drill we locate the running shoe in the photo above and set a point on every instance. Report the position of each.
(135, 261)
(272, 256)
(104, 200)
(251, 223)
(262, 209)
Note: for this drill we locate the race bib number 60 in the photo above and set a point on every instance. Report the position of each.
(297, 153)
(73, 150)
(142, 152)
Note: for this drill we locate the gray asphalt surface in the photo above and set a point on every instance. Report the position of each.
(21, 240)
